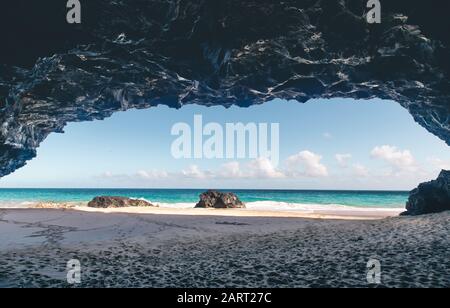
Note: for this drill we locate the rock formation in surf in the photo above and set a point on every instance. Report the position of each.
(219, 200)
(117, 202)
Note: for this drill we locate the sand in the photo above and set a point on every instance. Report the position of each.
(353, 214)
(220, 248)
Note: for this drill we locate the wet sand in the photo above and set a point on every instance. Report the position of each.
(215, 249)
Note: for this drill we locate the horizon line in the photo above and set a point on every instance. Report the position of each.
(206, 189)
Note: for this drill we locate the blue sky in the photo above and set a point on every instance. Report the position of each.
(324, 144)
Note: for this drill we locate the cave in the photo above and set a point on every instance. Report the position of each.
(140, 54)
(57, 71)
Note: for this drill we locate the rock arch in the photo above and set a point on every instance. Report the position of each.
(138, 54)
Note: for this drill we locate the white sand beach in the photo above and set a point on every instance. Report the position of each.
(215, 248)
(351, 213)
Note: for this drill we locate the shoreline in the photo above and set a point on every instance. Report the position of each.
(253, 209)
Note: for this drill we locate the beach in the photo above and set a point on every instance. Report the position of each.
(157, 247)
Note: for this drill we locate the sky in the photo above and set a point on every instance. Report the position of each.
(323, 144)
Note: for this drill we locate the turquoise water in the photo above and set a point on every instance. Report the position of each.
(378, 199)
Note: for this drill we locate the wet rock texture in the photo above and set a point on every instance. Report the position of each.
(219, 200)
(430, 197)
(117, 202)
(138, 54)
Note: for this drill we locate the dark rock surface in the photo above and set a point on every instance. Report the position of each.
(430, 197)
(219, 200)
(117, 202)
(138, 54)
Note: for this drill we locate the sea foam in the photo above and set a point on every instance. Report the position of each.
(285, 206)
(257, 205)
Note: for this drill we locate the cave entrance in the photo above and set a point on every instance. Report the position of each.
(338, 146)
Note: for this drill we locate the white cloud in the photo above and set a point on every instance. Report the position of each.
(263, 168)
(111, 176)
(302, 164)
(360, 170)
(401, 160)
(255, 169)
(107, 174)
(154, 174)
(438, 163)
(194, 171)
(327, 135)
(309, 164)
(343, 159)
(231, 170)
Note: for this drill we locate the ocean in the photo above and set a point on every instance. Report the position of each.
(186, 198)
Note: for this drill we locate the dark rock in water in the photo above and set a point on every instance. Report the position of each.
(430, 197)
(140, 54)
(219, 200)
(117, 202)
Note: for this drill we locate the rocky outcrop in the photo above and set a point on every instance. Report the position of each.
(219, 200)
(431, 197)
(139, 54)
(117, 202)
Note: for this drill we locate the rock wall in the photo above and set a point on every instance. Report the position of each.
(138, 54)
(430, 197)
